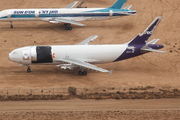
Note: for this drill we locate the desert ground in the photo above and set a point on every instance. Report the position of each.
(155, 69)
(92, 110)
(152, 69)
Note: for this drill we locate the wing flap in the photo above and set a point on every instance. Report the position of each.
(85, 64)
(90, 39)
(66, 21)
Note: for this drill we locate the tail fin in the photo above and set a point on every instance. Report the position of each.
(119, 4)
(142, 38)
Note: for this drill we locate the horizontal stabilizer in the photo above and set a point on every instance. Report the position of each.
(72, 5)
(90, 39)
(128, 7)
(153, 41)
(152, 50)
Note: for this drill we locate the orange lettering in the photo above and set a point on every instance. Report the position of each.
(53, 55)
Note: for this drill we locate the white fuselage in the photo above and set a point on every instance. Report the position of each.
(88, 53)
(76, 14)
(48, 14)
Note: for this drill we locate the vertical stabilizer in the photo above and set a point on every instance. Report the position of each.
(119, 4)
(142, 38)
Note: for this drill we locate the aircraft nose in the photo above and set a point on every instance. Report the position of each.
(11, 56)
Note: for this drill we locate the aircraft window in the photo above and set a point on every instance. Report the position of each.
(14, 53)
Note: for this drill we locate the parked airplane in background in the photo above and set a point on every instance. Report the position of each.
(67, 15)
(84, 55)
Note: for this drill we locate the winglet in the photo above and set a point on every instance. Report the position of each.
(72, 5)
(110, 72)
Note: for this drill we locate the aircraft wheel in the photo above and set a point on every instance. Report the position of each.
(11, 26)
(85, 73)
(80, 73)
(28, 70)
(70, 28)
(66, 28)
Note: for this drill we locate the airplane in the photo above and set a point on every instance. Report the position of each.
(67, 15)
(83, 55)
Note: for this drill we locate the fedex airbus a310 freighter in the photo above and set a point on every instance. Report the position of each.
(84, 55)
(67, 15)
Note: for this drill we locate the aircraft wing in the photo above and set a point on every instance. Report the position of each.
(58, 20)
(85, 65)
(72, 5)
(90, 39)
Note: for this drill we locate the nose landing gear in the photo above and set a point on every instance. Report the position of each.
(11, 25)
(28, 69)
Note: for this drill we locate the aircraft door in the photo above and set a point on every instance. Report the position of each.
(110, 13)
(9, 15)
(36, 14)
(26, 57)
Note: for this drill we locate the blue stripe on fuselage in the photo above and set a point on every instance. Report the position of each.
(3, 17)
(23, 16)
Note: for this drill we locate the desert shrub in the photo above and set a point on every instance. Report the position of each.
(72, 90)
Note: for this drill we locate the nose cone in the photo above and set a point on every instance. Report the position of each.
(15, 55)
(12, 56)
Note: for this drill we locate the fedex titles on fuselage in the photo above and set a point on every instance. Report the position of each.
(40, 12)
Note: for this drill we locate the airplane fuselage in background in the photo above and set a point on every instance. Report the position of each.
(75, 14)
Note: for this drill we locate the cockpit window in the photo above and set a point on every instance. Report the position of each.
(14, 53)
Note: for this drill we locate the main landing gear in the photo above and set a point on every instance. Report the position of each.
(82, 72)
(11, 25)
(28, 69)
(68, 26)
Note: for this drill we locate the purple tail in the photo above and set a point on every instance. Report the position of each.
(142, 38)
(139, 45)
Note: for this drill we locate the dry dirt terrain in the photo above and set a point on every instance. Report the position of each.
(92, 110)
(155, 69)
(152, 69)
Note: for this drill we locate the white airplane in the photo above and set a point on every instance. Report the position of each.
(84, 55)
(67, 15)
